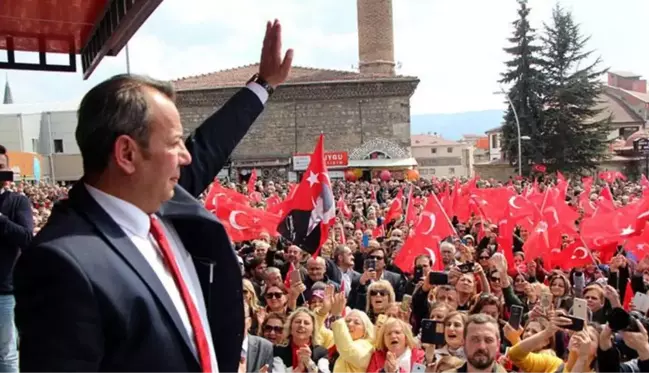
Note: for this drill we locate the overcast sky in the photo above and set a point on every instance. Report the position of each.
(453, 46)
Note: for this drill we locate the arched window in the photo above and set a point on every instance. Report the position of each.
(377, 154)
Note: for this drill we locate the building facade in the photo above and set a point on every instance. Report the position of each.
(364, 114)
(45, 129)
(442, 158)
(624, 99)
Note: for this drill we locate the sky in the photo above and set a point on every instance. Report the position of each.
(455, 47)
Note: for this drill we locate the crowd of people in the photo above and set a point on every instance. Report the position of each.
(128, 271)
(351, 309)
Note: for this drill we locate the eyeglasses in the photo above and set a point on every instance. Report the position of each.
(374, 293)
(376, 257)
(273, 295)
(270, 328)
(495, 279)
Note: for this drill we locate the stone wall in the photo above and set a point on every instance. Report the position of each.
(496, 171)
(348, 114)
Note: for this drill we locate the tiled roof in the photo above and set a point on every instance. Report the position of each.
(609, 104)
(482, 143)
(430, 140)
(622, 113)
(237, 76)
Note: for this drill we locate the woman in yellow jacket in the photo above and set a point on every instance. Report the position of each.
(353, 336)
(522, 356)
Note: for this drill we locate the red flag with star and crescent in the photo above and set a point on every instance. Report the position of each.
(312, 208)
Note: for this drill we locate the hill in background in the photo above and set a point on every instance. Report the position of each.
(453, 126)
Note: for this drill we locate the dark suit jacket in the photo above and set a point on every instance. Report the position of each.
(260, 353)
(16, 230)
(87, 300)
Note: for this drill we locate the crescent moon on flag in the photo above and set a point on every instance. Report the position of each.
(216, 196)
(233, 220)
(574, 253)
(555, 215)
(512, 204)
(596, 241)
(432, 219)
(431, 253)
(643, 215)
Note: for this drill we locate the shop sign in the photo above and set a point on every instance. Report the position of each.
(332, 159)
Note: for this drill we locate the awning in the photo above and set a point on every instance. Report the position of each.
(388, 163)
(252, 163)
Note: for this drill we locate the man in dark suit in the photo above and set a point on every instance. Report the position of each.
(131, 273)
(16, 229)
(258, 351)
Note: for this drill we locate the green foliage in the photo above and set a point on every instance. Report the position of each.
(555, 97)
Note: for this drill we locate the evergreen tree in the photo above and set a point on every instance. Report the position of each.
(576, 137)
(525, 79)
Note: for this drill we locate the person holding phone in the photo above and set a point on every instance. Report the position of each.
(522, 355)
(16, 231)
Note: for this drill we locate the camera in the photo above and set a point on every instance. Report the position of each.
(620, 320)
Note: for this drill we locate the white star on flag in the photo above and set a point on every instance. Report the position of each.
(313, 178)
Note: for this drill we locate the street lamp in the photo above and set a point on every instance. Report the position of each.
(518, 127)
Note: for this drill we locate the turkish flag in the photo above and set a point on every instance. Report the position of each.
(312, 208)
(218, 193)
(244, 223)
(251, 181)
(433, 220)
(416, 245)
(396, 208)
(575, 255)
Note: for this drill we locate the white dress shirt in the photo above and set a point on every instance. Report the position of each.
(135, 223)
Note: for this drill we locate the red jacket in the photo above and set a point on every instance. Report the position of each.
(378, 360)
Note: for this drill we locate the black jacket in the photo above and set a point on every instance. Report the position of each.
(87, 300)
(16, 230)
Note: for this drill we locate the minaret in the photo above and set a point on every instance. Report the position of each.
(375, 37)
(8, 97)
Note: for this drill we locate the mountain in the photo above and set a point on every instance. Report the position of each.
(453, 126)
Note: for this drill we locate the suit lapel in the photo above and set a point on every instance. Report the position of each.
(113, 234)
(252, 355)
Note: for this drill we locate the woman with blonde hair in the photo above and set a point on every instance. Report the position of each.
(395, 348)
(380, 295)
(257, 313)
(353, 336)
(300, 353)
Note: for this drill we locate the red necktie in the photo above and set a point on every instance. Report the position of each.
(199, 333)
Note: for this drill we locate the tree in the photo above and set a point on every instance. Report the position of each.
(524, 75)
(576, 137)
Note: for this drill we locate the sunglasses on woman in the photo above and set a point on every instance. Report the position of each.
(273, 295)
(374, 293)
(270, 328)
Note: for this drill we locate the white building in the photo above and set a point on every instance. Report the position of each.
(47, 129)
(439, 157)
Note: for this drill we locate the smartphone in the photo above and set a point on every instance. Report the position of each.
(641, 302)
(295, 277)
(432, 332)
(6, 175)
(419, 273)
(366, 240)
(418, 368)
(370, 264)
(438, 278)
(580, 308)
(577, 324)
(546, 301)
(516, 317)
(405, 303)
(466, 267)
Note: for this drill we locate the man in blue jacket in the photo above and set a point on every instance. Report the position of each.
(16, 229)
